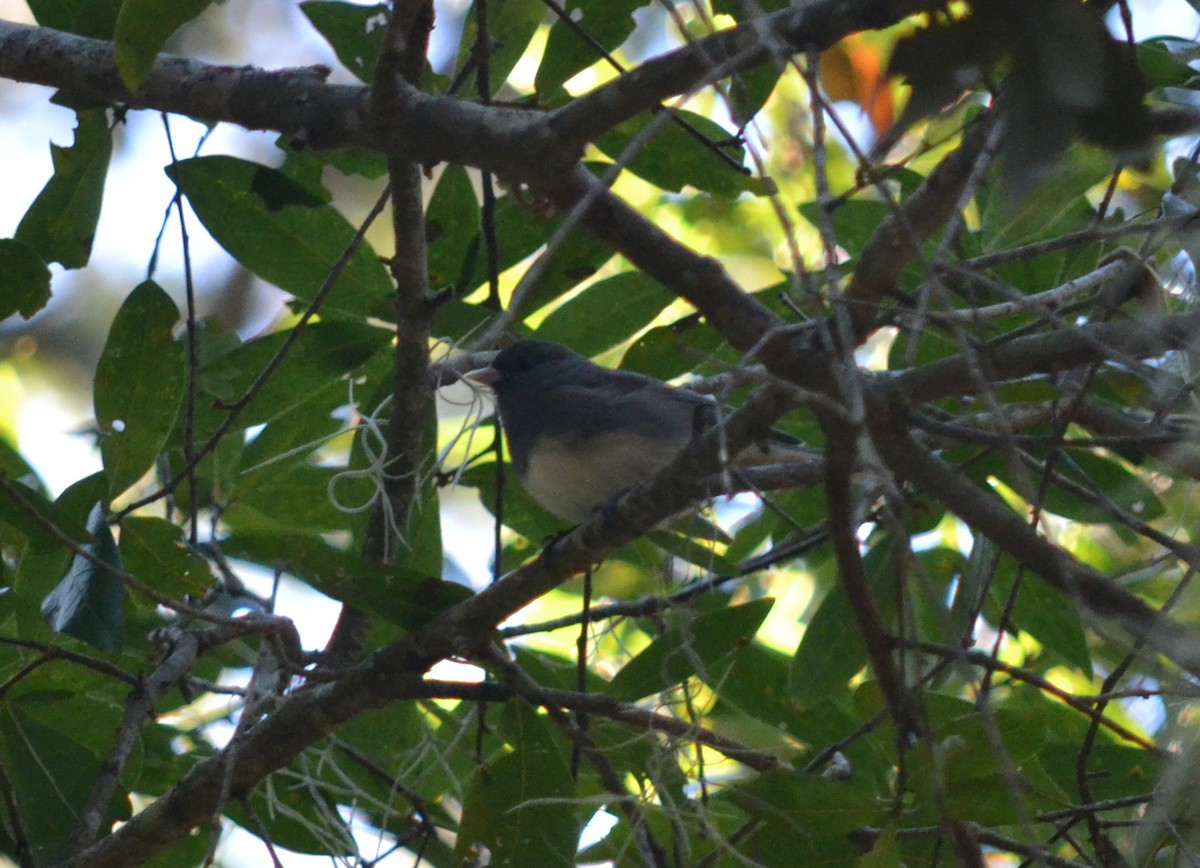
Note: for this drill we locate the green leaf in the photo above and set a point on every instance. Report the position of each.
(832, 651)
(689, 646)
(286, 499)
(854, 221)
(519, 806)
(317, 363)
(675, 155)
(143, 27)
(512, 24)
(282, 231)
(153, 550)
(1162, 66)
(1046, 614)
(806, 808)
(61, 223)
(51, 776)
(354, 32)
(684, 547)
(89, 601)
(402, 597)
(136, 411)
(24, 280)
(606, 313)
(94, 18)
(452, 229)
(29, 512)
(607, 25)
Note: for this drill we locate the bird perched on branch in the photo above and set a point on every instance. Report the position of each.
(580, 434)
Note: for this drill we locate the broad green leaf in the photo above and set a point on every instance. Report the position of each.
(885, 851)
(134, 409)
(853, 221)
(572, 261)
(832, 650)
(809, 806)
(689, 647)
(354, 32)
(143, 27)
(676, 155)
(153, 550)
(94, 18)
(755, 682)
(61, 223)
(967, 772)
(1045, 613)
(89, 601)
(404, 598)
(567, 52)
(606, 313)
(282, 231)
(452, 229)
(291, 499)
(512, 24)
(24, 280)
(316, 363)
(1107, 476)
(830, 653)
(519, 806)
(680, 348)
(1162, 66)
(51, 776)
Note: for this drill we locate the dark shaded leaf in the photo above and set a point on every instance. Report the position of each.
(405, 598)
(606, 313)
(1045, 613)
(804, 815)
(318, 361)
(832, 651)
(354, 32)
(512, 24)
(136, 412)
(61, 223)
(25, 284)
(854, 221)
(452, 230)
(152, 549)
(689, 646)
(51, 775)
(89, 601)
(94, 18)
(519, 805)
(675, 157)
(567, 52)
(281, 230)
(143, 27)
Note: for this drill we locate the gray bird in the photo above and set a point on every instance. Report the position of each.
(580, 434)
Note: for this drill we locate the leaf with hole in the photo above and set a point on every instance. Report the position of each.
(136, 410)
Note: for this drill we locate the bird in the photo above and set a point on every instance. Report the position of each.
(580, 434)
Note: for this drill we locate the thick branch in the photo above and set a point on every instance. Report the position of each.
(1045, 353)
(422, 128)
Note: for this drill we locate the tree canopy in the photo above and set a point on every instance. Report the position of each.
(949, 246)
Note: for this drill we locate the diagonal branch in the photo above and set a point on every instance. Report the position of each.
(988, 515)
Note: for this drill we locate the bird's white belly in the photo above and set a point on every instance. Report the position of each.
(572, 481)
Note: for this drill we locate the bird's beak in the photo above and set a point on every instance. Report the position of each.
(485, 376)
